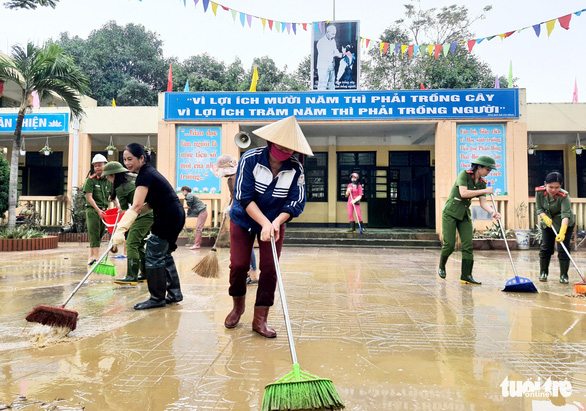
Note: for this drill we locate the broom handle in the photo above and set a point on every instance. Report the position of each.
(568, 253)
(92, 268)
(220, 229)
(284, 302)
(504, 238)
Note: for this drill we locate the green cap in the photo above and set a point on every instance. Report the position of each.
(486, 161)
(114, 167)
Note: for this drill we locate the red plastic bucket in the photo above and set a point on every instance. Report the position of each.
(109, 217)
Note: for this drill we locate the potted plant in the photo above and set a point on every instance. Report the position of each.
(111, 150)
(496, 238)
(522, 234)
(578, 149)
(480, 241)
(46, 150)
(531, 148)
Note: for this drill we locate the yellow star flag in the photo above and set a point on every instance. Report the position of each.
(254, 79)
(113, 102)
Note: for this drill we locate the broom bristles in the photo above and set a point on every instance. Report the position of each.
(301, 395)
(53, 316)
(105, 267)
(208, 267)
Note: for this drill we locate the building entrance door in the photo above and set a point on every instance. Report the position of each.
(408, 197)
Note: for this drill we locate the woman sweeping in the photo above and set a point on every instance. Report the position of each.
(269, 191)
(195, 209)
(168, 220)
(123, 190)
(97, 189)
(553, 205)
(354, 194)
(456, 215)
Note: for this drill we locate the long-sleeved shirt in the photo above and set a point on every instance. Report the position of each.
(556, 208)
(284, 193)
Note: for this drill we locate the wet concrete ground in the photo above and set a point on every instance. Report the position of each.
(379, 323)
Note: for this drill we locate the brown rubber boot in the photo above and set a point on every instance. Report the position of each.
(233, 318)
(259, 324)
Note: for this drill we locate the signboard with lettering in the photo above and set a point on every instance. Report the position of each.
(344, 105)
(36, 123)
(198, 147)
(475, 140)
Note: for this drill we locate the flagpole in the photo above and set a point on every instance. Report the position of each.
(334, 7)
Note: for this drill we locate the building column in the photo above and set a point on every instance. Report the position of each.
(445, 166)
(332, 180)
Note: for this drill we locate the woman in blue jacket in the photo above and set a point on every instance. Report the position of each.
(269, 191)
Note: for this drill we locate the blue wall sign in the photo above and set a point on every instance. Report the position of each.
(36, 123)
(198, 147)
(344, 105)
(475, 140)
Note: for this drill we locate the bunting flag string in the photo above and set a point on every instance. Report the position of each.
(436, 49)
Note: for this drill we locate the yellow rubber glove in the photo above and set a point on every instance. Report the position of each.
(562, 234)
(123, 226)
(547, 220)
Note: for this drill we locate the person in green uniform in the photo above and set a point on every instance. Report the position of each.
(123, 189)
(553, 205)
(96, 189)
(456, 215)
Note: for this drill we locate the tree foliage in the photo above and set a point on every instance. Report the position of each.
(124, 63)
(30, 4)
(48, 70)
(421, 27)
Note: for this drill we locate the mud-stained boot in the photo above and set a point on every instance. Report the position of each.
(564, 267)
(352, 226)
(174, 294)
(441, 271)
(466, 277)
(131, 278)
(259, 323)
(142, 272)
(156, 281)
(544, 268)
(233, 318)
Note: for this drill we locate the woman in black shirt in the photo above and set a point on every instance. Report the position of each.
(169, 217)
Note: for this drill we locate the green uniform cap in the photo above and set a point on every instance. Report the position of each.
(114, 167)
(486, 161)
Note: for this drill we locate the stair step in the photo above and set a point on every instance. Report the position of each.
(361, 242)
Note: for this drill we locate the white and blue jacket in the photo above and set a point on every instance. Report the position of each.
(254, 182)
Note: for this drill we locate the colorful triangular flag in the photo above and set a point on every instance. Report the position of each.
(510, 78)
(496, 82)
(113, 102)
(186, 88)
(575, 96)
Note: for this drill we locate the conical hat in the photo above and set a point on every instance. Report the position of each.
(286, 133)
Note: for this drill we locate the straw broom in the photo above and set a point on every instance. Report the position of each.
(209, 267)
(298, 390)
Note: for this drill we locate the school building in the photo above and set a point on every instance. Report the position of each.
(408, 146)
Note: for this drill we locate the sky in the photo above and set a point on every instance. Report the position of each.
(546, 67)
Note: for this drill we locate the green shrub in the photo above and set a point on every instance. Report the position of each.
(4, 184)
(20, 232)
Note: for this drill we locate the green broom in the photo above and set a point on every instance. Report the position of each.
(105, 266)
(298, 390)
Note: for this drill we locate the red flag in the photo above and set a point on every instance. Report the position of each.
(1, 87)
(422, 87)
(471, 44)
(170, 79)
(565, 21)
(438, 49)
(575, 96)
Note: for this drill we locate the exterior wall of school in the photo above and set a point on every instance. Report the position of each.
(546, 122)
